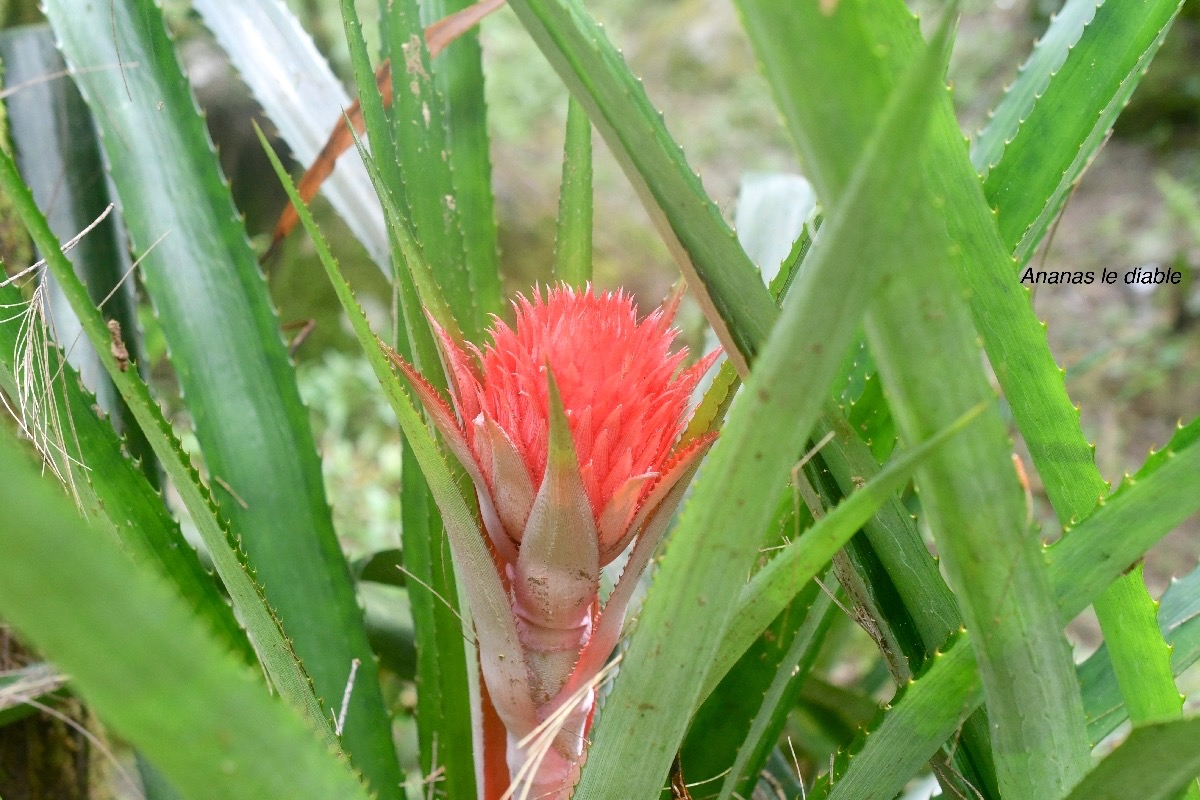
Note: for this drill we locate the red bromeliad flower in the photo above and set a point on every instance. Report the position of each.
(569, 426)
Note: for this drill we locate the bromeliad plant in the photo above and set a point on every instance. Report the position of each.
(567, 424)
(549, 444)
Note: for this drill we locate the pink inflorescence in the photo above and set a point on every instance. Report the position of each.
(624, 404)
(624, 397)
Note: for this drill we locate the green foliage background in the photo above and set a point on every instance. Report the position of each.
(869, 340)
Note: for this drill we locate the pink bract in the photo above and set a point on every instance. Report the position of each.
(625, 400)
(616, 376)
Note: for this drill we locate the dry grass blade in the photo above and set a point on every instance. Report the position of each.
(132, 786)
(58, 75)
(30, 683)
(36, 403)
(539, 741)
(66, 248)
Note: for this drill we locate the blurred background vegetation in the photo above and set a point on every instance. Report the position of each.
(1132, 358)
